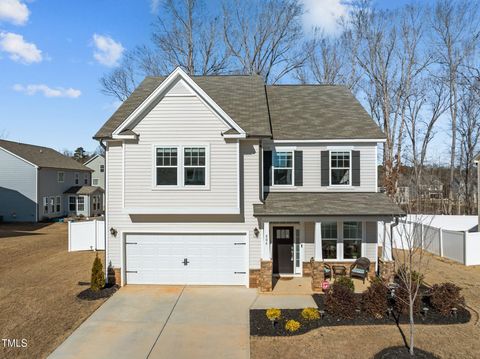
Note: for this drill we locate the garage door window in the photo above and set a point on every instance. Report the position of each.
(167, 166)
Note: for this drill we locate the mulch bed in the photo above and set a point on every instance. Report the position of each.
(106, 292)
(403, 353)
(260, 325)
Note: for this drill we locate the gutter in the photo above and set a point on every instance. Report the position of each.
(392, 226)
(105, 212)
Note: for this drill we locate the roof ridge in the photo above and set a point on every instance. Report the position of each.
(27, 144)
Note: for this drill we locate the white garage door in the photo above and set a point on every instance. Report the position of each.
(186, 259)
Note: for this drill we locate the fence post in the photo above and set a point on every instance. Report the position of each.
(465, 234)
(422, 240)
(69, 235)
(441, 241)
(96, 234)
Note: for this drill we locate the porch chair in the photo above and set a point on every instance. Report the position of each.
(327, 271)
(360, 268)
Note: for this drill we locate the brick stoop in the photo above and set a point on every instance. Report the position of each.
(317, 275)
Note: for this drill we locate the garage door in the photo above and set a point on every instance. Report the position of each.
(186, 259)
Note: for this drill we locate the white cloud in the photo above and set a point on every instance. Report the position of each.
(18, 49)
(108, 51)
(14, 11)
(324, 14)
(47, 91)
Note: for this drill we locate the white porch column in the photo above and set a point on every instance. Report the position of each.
(265, 246)
(318, 241)
(387, 241)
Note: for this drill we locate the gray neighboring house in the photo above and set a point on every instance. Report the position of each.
(38, 183)
(97, 165)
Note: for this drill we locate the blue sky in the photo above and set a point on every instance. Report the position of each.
(49, 74)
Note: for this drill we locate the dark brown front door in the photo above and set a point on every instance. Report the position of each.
(283, 250)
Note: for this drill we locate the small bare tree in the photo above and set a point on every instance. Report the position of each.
(410, 240)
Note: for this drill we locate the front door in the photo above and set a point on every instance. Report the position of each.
(283, 250)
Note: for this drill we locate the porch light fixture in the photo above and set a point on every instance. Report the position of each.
(113, 231)
(256, 232)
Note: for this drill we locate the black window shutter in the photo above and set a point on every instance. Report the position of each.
(298, 168)
(355, 168)
(325, 168)
(267, 168)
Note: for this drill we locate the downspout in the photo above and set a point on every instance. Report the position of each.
(392, 226)
(105, 212)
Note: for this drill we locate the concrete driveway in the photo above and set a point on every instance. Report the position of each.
(165, 322)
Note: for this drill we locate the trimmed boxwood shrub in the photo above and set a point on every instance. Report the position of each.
(346, 282)
(375, 299)
(446, 296)
(340, 301)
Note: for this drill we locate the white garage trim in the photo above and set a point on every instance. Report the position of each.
(123, 236)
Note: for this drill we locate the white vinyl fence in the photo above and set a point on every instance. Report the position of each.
(462, 246)
(86, 235)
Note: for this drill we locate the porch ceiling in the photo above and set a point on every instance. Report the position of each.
(326, 204)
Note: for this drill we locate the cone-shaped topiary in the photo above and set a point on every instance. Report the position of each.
(98, 277)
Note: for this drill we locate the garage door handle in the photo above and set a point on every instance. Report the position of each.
(240, 272)
(185, 261)
(130, 242)
(131, 271)
(239, 244)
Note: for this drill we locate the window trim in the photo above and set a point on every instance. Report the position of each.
(180, 167)
(330, 168)
(69, 203)
(274, 152)
(353, 239)
(78, 204)
(184, 167)
(58, 177)
(93, 181)
(341, 241)
(337, 241)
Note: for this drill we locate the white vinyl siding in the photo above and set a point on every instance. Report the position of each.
(311, 166)
(122, 222)
(181, 121)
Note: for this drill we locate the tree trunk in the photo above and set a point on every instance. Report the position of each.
(412, 326)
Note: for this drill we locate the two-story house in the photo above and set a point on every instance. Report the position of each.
(226, 180)
(97, 165)
(38, 183)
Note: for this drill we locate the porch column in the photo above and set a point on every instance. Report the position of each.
(318, 241)
(387, 242)
(265, 246)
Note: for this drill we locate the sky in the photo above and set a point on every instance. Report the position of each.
(53, 53)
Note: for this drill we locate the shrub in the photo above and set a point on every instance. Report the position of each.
(310, 313)
(292, 325)
(98, 277)
(375, 299)
(446, 296)
(273, 314)
(340, 301)
(402, 301)
(346, 282)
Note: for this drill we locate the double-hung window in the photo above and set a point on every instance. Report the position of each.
(81, 203)
(85, 178)
(60, 177)
(283, 168)
(194, 160)
(94, 181)
(352, 240)
(102, 168)
(58, 206)
(52, 204)
(340, 168)
(45, 204)
(329, 240)
(72, 204)
(77, 178)
(166, 166)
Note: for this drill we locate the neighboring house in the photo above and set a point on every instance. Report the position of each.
(224, 180)
(97, 164)
(36, 183)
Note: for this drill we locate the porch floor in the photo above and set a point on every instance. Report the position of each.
(303, 285)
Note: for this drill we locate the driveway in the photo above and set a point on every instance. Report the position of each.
(166, 322)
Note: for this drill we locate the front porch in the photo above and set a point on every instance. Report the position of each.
(302, 233)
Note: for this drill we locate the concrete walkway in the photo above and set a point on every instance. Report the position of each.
(165, 322)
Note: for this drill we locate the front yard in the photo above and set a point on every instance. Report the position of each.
(445, 341)
(39, 283)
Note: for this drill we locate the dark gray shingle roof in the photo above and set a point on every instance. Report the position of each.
(42, 156)
(306, 112)
(241, 97)
(83, 190)
(327, 204)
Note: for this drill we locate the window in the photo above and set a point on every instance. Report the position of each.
(329, 240)
(96, 202)
(166, 165)
(80, 203)
(282, 168)
(340, 168)
(52, 204)
(102, 168)
(58, 204)
(60, 177)
(72, 203)
(194, 166)
(94, 181)
(85, 178)
(45, 204)
(352, 240)
(77, 178)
